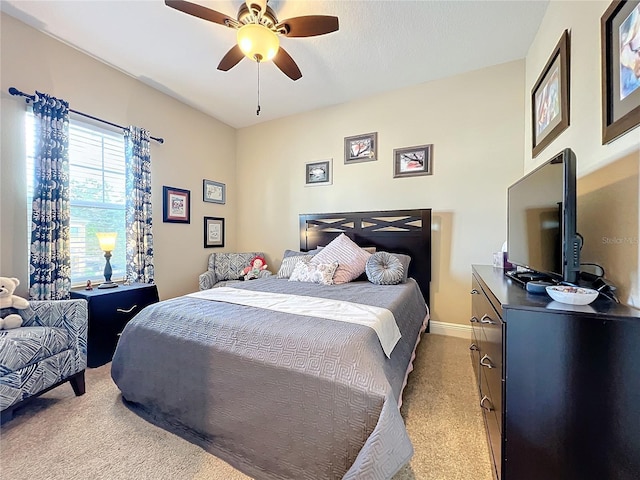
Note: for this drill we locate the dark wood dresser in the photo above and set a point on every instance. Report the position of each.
(109, 311)
(559, 384)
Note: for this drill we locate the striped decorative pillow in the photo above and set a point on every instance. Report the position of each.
(289, 263)
(351, 259)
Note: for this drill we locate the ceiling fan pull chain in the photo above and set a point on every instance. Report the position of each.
(258, 111)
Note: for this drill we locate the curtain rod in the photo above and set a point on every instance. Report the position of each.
(15, 91)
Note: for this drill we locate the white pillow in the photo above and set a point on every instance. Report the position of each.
(351, 259)
(307, 272)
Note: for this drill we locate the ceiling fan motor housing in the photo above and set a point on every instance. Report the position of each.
(248, 15)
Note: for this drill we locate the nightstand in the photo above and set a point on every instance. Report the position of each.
(109, 311)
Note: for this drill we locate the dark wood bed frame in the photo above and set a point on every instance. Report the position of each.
(396, 231)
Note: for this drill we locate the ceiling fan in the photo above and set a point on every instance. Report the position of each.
(258, 30)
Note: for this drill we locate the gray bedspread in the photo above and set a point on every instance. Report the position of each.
(276, 395)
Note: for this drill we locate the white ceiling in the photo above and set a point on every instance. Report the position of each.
(381, 46)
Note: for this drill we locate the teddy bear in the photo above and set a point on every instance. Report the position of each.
(9, 300)
(257, 265)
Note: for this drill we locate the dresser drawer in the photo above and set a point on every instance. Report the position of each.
(474, 350)
(477, 306)
(112, 312)
(492, 425)
(492, 373)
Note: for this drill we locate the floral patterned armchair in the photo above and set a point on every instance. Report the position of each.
(50, 348)
(226, 268)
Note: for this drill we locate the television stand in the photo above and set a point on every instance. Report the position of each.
(555, 365)
(522, 278)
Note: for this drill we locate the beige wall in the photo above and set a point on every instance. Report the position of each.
(478, 122)
(196, 147)
(608, 185)
(475, 123)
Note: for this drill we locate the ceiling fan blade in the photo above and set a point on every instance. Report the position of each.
(200, 12)
(285, 63)
(231, 59)
(309, 26)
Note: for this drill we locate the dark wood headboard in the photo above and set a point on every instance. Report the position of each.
(396, 231)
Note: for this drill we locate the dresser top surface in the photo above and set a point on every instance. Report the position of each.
(511, 295)
(96, 292)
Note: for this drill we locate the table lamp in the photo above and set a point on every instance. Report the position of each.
(107, 244)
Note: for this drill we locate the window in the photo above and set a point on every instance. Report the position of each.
(97, 196)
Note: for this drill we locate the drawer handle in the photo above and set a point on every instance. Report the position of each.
(487, 359)
(474, 292)
(120, 310)
(474, 319)
(473, 347)
(487, 408)
(487, 319)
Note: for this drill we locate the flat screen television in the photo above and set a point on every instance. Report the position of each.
(541, 220)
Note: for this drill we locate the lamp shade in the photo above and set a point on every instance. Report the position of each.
(107, 241)
(257, 42)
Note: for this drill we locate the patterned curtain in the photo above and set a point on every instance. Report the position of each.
(138, 203)
(50, 263)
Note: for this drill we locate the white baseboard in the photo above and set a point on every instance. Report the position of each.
(450, 329)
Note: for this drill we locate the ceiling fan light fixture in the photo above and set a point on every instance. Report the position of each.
(257, 42)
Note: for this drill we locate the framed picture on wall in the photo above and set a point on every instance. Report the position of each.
(214, 192)
(412, 161)
(620, 58)
(550, 97)
(213, 232)
(176, 205)
(318, 173)
(361, 148)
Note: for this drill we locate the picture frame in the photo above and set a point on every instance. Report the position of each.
(550, 97)
(361, 148)
(176, 205)
(620, 63)
(214, 192)
(413, 161)
(213, 232)
(318, 173)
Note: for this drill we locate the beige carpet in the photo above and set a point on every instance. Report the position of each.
(62, 437)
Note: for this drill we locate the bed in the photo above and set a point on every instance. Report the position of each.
(280, 394)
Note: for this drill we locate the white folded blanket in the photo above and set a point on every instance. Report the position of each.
(379, 319)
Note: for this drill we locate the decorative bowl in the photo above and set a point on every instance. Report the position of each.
(572, 295)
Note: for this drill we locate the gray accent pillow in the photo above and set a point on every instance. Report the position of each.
(384, 269)
(295, 253)
(405, 260)
(292, 253)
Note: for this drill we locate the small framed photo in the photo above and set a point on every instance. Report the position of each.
(213, 232)
(550, 97)
(620, 57)
(361, 148)
(214, 192)
(176, 205)
(413, 161)
(318, 173)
